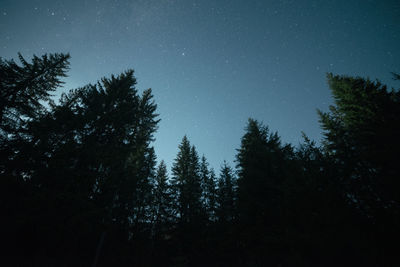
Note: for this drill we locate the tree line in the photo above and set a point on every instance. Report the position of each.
(80, 184)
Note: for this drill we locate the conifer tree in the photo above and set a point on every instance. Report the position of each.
(112, 128)
(24, 92)
(186, 183)
(261, 169)
(87, 161)
(226, 194)
(162, 198)
(209, 189)
(24, 89)
(361, 133)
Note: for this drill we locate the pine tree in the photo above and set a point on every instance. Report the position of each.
(111, 127)
(263, 165)
(186, 183)
(226, 198)
(88, 163)
(207, 178)
(162, 198)
(361, 133)
(24, 89)
(261, 168)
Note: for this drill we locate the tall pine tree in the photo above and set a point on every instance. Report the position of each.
(207, 178)
(162, 199)
(262, 163)
(361, 133)
(186, 183)
(226, 195)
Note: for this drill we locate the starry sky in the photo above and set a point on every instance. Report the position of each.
(214, 64)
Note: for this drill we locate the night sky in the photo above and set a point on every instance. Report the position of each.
(214, 64)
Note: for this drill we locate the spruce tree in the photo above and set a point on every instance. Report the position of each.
(261, 169)
(361, 135)
(84, 164)
(226, 194)
(112, 127)
(361, 132)
(186, 184)
(162, 199)
(24, 89)
(263, 165)
(207, 178)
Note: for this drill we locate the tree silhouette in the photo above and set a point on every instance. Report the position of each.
(81, 166)
(207, 178)
(24, 89)
(186, 183)
(361, 135)
(163, 212)
(226, 195)
(79, 183)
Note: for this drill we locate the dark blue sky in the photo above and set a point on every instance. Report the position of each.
(214, 64)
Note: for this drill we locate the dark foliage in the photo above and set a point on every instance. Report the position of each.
(79, 183)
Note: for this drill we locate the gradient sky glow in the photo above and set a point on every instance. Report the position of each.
(214, 64)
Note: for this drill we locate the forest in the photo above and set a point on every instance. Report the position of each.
(80, 184)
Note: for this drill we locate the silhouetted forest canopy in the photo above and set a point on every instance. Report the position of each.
(81, 186)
